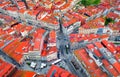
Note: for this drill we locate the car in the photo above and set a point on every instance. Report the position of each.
(43, 65)
(57, 61)
(33, 64)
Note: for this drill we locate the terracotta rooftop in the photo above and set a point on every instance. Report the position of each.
(57, 71)
(6, 69)
(90, 65)
(21, 73)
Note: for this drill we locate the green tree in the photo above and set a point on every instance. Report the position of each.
(89, 2)
(28, 63)
(108, 20)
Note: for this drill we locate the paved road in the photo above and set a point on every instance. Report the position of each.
(76, 67)
(62, 41)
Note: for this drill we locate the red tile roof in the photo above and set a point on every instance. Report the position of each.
(118, 48)
(22, 73)
(22, 11)
(90, 65)
(3, 4)
(21, 5)
(37, 32)
(16, 49)
(18, 27)
(108, 46)
(57, 71)
(112, 15)
(51, 50)
(117, 66)
(5, 68)
(13, 9)
(103, 36)
(98, 44)
(118, 9)
(37, 42)
(110, 68)
(38, 36)
(33, 12)
(52, 37)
